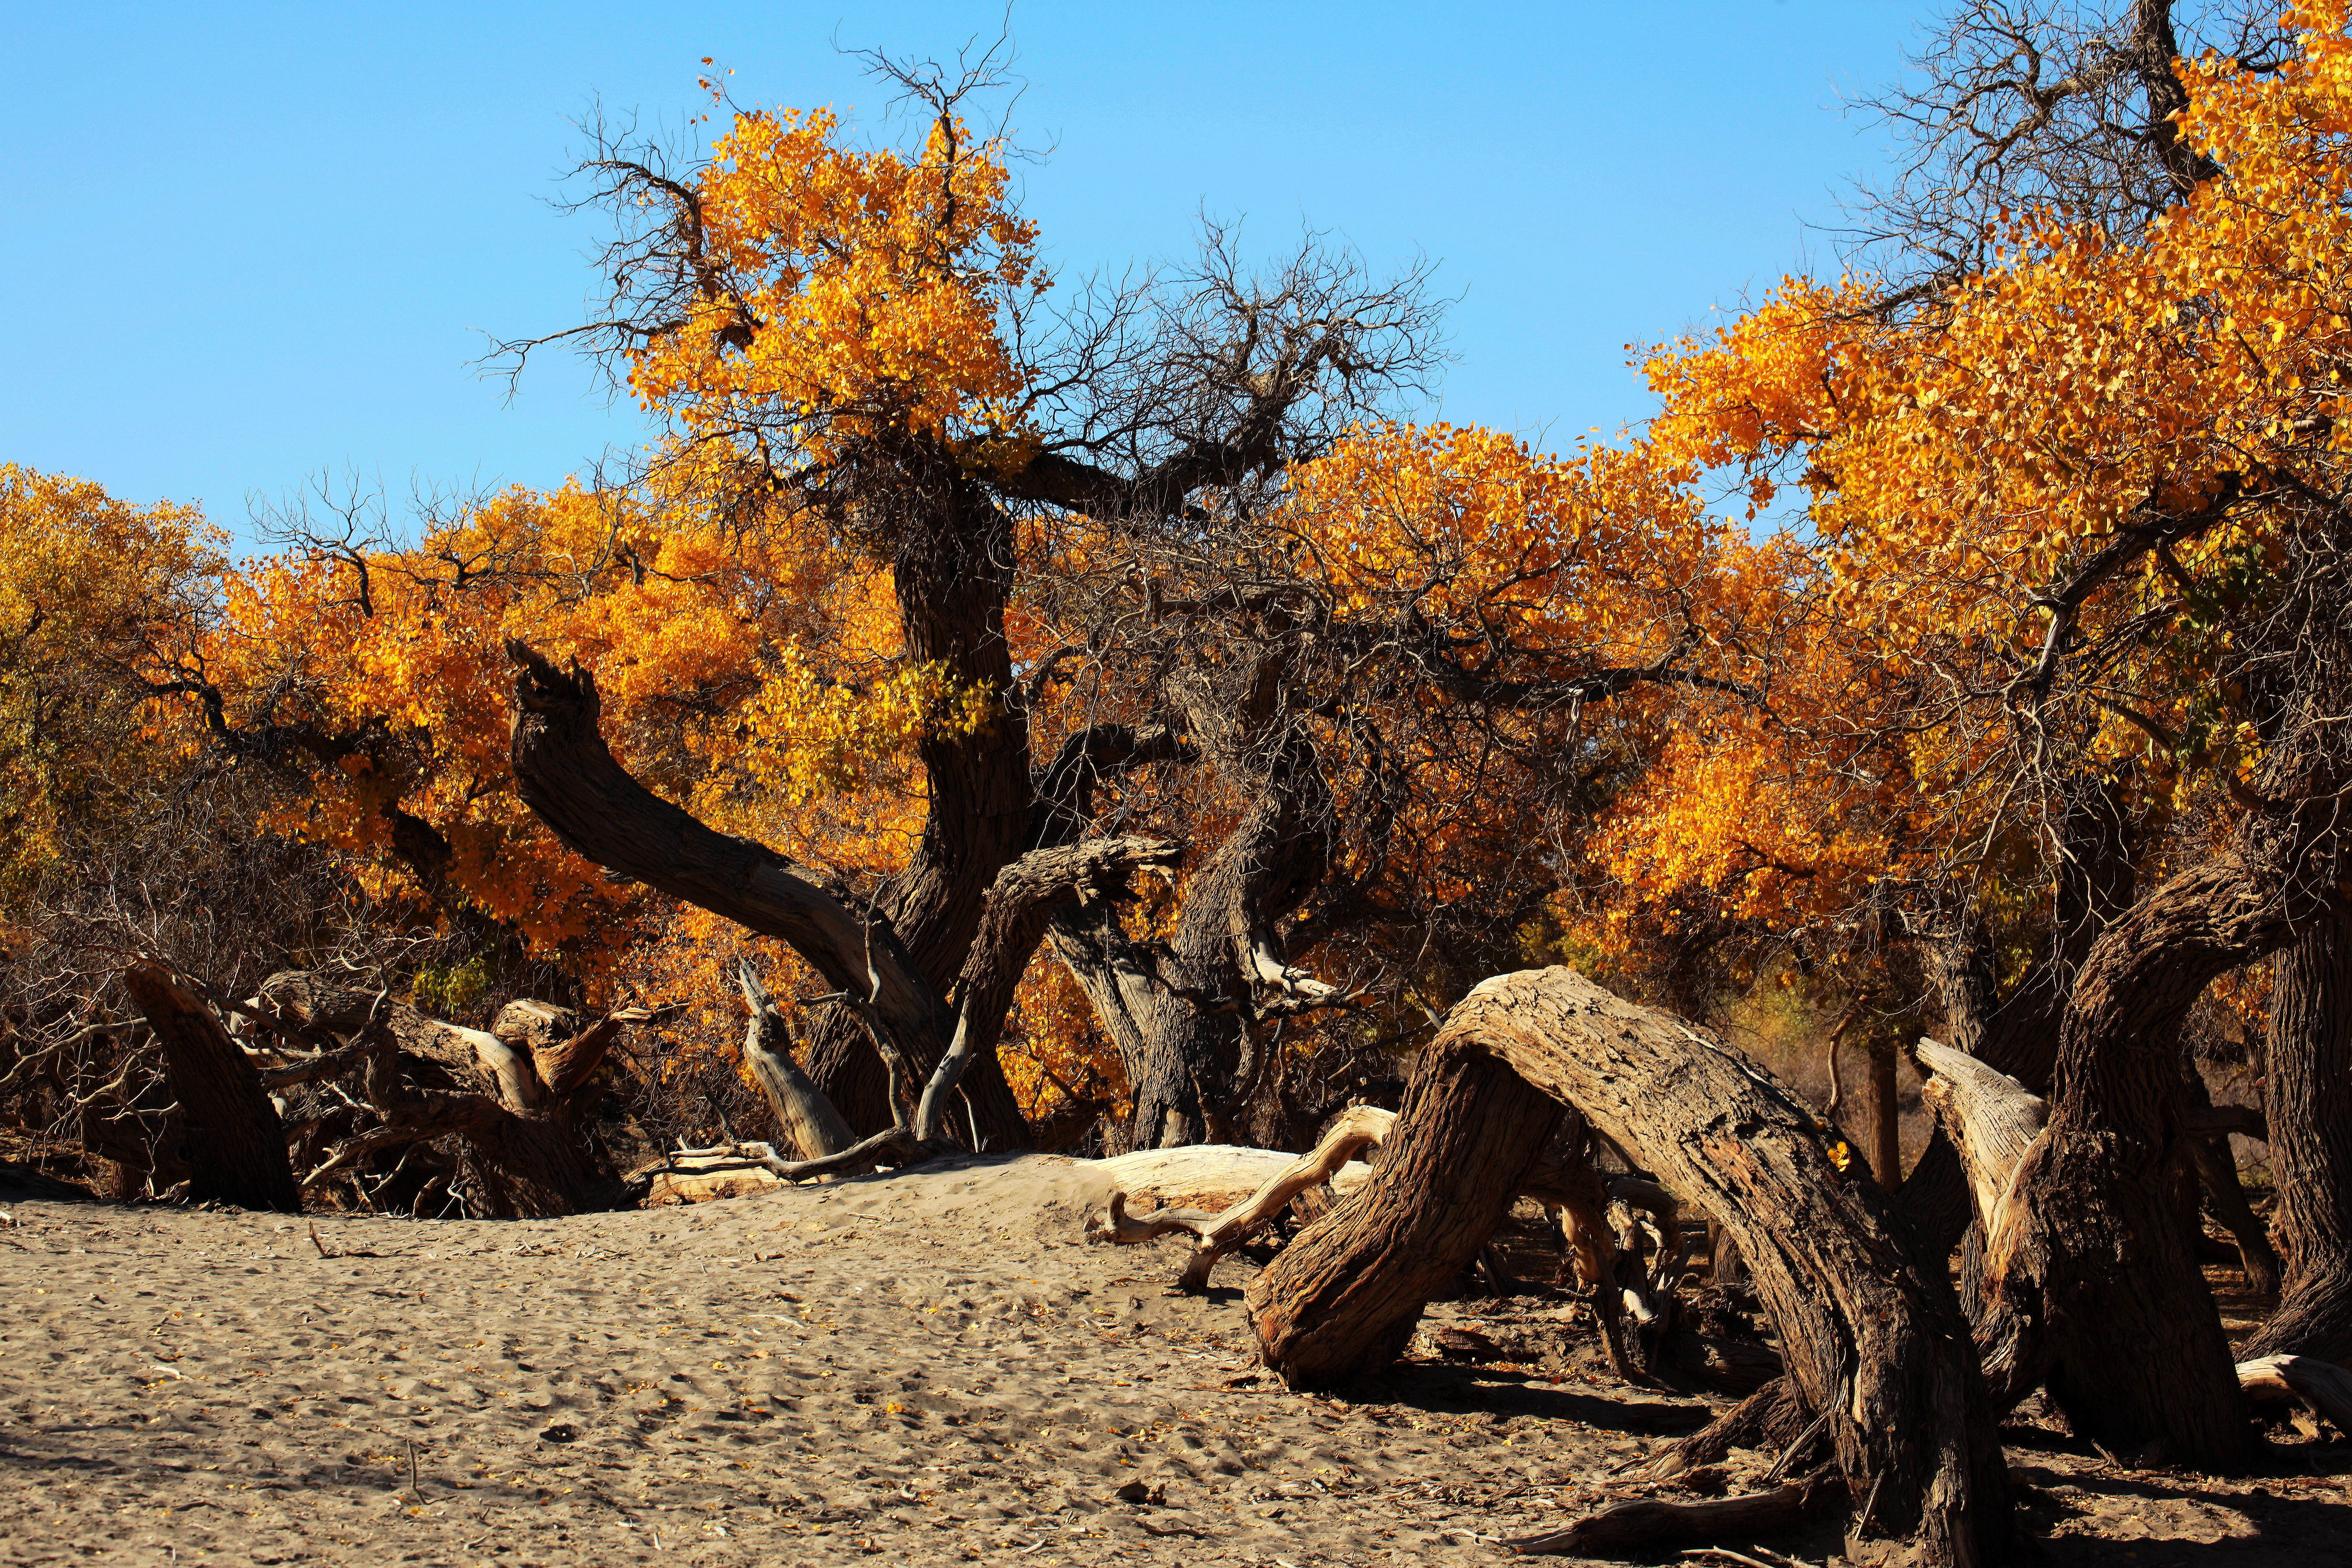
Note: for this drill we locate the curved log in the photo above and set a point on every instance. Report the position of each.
(1871, 1342)
(1342, 1299)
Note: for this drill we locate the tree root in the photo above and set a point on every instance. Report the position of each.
(1646, 1528)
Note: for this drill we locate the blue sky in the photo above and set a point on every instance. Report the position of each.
(243, 244)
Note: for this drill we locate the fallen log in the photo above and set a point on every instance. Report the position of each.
(1645, 1528)
(2321, 1386)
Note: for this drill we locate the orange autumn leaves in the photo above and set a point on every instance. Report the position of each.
(1965, 462)
(745, 675)
(854, 295)
(1820, 715)
(97, 596)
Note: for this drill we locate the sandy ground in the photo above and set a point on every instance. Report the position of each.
(931, 1367)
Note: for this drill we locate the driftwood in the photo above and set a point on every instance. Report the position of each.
(1873, 1342)
(1215, 1235)
(809, 1121)
(709, 1175)
(1645, 1528)
(1212, 1176)
(2321, 1386)
(1990, 1118)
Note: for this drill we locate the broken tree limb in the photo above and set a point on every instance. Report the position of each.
(2324, 1387)
(1771, 1418)
(236, 1145)
(1645, 1529)
(1990, 1118)
(1361, 1128)
(1868, 1336)
(807, 1118)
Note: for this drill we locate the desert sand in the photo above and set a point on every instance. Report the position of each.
(925, 1367)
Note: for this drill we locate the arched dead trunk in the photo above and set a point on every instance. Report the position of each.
(1873, 1346)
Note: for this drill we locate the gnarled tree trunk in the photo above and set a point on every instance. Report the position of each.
(2309, 1109)
(1873, 1347)
(2089, 1268)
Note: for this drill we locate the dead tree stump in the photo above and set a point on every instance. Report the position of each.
(235, 1146)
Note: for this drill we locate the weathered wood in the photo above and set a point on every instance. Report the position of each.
(1771, 1418)
(1212, 1177)
(1869, 1337)
(531, 1145)
(1361, 1128)
(1647, 1529)
(1342, 1300)
(1989, 1117)
(2309, 1099)
(2095, 1282)
(803, 1114)
(2324, 1386)
(709, 1175)
(235, 1146)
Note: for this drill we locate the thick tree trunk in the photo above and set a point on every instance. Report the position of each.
(1188, 1018)
(2089, 1268)
(235, 1146)
(1342, 1299)
(1886, 1115)
(1871, 1344)
(2309, 1108)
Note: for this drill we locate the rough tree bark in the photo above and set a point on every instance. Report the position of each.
(1873, 1346)
(1995, 1120)
(2089, 1268)
(234, 1145)
(1342, 1299)
(2309, 1108)
(567, 775)
(1188, 1016)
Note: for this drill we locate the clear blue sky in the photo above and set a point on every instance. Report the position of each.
(244, 243)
